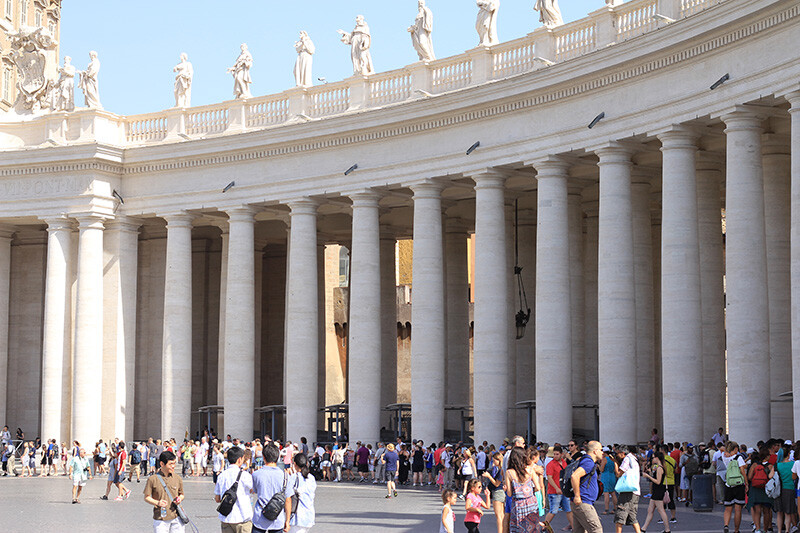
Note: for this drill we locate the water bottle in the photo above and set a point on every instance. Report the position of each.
(163, 512)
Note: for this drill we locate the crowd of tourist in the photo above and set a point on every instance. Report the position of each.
(526, 487)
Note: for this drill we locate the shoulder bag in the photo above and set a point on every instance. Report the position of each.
(275, 506)
(229, 497)
(181, 513)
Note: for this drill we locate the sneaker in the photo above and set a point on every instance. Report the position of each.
(74, 501)
(395, 494)
(388, 496)
(104, 497)
(660, 521)
(673, 520)
(725, 529)
(127, 494)
(118, 499)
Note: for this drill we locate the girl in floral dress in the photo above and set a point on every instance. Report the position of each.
(521, 488)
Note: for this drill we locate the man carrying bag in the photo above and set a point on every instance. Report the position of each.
(164, 491)
(232, 491)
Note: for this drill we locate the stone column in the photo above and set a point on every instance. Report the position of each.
(491, 340)
(643, 276)
(794, 100)
(747, 319)
(428, 315)
(388, 375)
(240, 328)
(87, 377)
(120, 288)
(526, 346)
(223, 284)
(577, 309)
(57, 307)
(616, 298)
(5, 280)
(553, 297)
(302, 323)
(776, 161)
(457, 383)
(712, 295)
(591, 208)
(364, 362)
(681, 319)
(176, 383)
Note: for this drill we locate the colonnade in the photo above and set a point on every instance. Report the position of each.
(630, 308)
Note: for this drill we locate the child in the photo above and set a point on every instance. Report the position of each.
(473, 504)
(448, 521)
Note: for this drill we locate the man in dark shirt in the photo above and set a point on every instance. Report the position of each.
(362, 460)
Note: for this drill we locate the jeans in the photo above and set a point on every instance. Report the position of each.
(558, 500)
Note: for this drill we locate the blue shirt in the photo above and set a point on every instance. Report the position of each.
(391, 459)
(266, 482)
(589, 488)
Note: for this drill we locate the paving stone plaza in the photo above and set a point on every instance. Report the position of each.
(44, 505)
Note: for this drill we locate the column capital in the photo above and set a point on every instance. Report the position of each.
(125, 224)
(427, 189)
(794, 99)
(551, 166)
(90, 220)
(678, 137)
(489, 178)
(614, 152)
(58, 223)
(241, 213)
(364, 198)
(181, 219)
(303, 206)
(743, 118)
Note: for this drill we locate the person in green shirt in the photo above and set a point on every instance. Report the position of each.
(80, 473)
(786, 503)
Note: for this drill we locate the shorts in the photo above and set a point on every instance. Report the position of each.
(79, 483)
(325, 464)
(389, 475)
(786, 503)
(151, 462)
(498, 495)
(734, 495)
(363, 468)
(558, 501)
(100, 460)
(627, 504)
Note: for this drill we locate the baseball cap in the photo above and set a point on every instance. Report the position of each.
(788, 442)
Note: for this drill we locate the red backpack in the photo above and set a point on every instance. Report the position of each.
(760, 477)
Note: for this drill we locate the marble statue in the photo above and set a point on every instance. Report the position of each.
(359, 41)
(64, 96)
(183, 82)
(421, 33)
(33, 52)
(241, 74)
(88, 82)
(302, 67)
(549, 13)
(487, 22)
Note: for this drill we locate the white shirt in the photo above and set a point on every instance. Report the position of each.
(631, 463)
(727, 460)
(796, 470)
(445, 459)
(717, 438)
(719, 463)
(242, 510)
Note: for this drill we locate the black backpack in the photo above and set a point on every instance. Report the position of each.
(136, 457)
(566, 477)
(692, 466)
(229, 497)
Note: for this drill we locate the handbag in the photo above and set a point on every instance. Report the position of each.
(275, 506)
(627, 483)
(229, 497)
(667, 499)
(181, 513)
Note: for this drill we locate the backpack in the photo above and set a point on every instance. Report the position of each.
(773, 486)
(760, 476)
(229, 497)
(692, 466)
(136, 457)
(566, 478)
(733, 476)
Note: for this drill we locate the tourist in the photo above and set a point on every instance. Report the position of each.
(759, 472)
(468, 471)
(337, 462)
(447, 468)
(735, 485)
(362, 460)
(786, 504)
(164, 491)
(608, 477)
(494, 484)
(391, 462)
(7, 452)
(304, 488)
(79, 471)
(217, 460)
(520, 488)
(31, 458)
(258, 452)
(655, 439)
(102, 453)
(474, 505)
(5, 436)
(119, 476)
(198, 452)
(240, 518)
(326, 463)
(669, 481)
(429, 463)
(44, 454)
(404, 465)
(378, 472)
(556, 499)
(480, 461)
(719, 469)
(447, 523)
(134, 459)
(585, 490)
(627, 465)
(418, 463)
(656, 476)
(719, 437)
(266, 482)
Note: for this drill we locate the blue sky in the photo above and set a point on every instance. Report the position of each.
(139, 41)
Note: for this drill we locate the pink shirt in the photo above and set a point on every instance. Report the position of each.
(474, 501)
